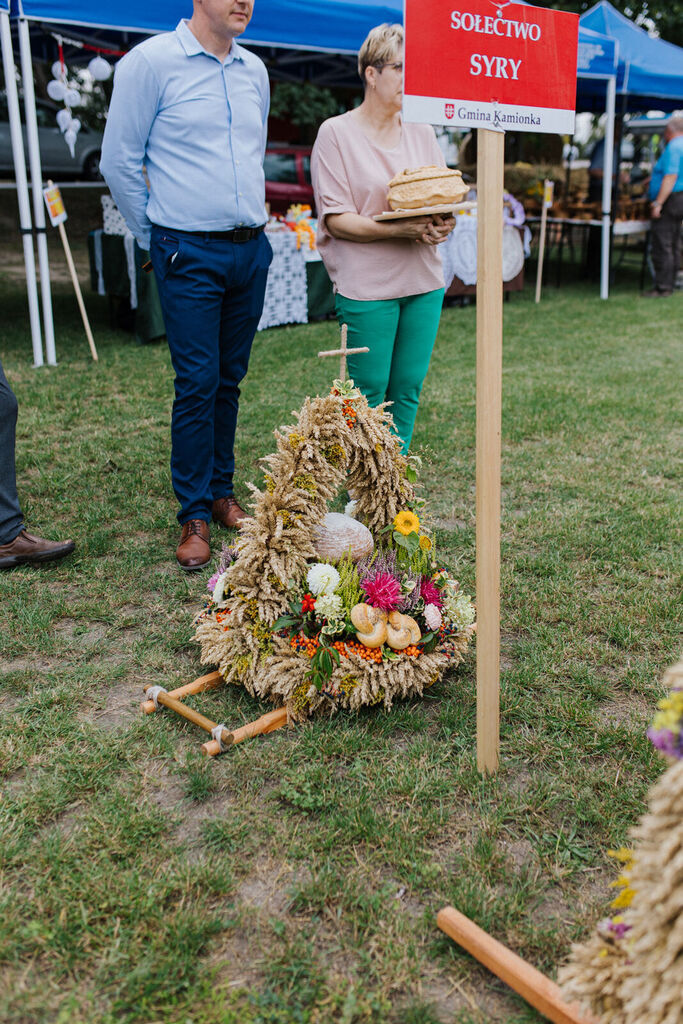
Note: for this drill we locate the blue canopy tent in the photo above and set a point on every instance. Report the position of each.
(650, 70)
(337, 26)
(649, 74)
(332, 26)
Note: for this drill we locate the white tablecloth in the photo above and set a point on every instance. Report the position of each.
(286, 299)
(459, 252)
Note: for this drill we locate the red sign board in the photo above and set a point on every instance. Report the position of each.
(479, 64)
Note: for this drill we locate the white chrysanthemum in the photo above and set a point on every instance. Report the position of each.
(432, 616)
(350, 509)
(328, 606)
(459, 611)
(322, 579)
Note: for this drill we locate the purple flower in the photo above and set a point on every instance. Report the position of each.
(212, 582)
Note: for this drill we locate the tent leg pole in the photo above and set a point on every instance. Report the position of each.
(22, 186)
(37, 185)
(607, 190)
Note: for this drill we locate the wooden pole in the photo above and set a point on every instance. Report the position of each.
(266, 723)
(547, 194)
(208, 682)
(77, 287)
(539, 991)
(192, 716)
(490, 148)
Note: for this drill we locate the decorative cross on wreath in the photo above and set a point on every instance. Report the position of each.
(343, 352)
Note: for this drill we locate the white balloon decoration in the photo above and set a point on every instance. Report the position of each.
(70, 139)
(72, 98)
(63, 119)
(57, 69)
(100, 69)
(56, 90)
(75, 125)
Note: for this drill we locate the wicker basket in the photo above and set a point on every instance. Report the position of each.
(426, 186)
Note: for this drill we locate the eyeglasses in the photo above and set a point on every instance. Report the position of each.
(395, 67)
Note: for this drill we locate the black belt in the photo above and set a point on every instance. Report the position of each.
(237, 235)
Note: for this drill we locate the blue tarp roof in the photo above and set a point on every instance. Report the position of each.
(339, 26)
(650, 70)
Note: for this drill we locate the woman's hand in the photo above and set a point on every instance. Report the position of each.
(429, 230)
(438, 229)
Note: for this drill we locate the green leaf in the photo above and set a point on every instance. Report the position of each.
(285, 622)
(411, 475)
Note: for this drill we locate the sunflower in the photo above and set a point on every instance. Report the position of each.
(406, 522)
(425, 543)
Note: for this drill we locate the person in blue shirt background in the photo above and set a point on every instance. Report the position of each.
(191, 106)
(666, 208)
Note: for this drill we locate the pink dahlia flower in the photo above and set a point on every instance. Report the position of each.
(382, 590)
(430, 592)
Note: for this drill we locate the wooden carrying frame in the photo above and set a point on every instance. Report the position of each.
(173, 699)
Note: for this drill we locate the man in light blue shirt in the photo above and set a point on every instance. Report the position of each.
(191, 106)
(666, 208)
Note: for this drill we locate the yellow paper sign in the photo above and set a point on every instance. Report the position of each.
(55, 205)
(548, 194)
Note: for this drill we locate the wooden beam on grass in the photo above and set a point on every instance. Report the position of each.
(208, 682)
(540, 992)
(266, 723)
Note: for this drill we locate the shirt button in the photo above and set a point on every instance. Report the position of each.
(239, 193)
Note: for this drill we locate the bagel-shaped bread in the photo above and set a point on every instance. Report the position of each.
(370, 623)
(402, 631)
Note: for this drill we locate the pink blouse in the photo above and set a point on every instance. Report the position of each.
(350, 175)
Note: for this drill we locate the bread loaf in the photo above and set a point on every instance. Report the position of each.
(426, 186)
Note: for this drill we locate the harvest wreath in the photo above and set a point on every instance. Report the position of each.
(317, 610)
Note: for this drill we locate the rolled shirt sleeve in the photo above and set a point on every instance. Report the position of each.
(331, 186)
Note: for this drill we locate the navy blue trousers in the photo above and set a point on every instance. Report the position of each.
(211, 294)
(11, 519)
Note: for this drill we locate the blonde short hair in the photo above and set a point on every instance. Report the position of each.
(382, 45)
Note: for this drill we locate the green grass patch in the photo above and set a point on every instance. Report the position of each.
(297, 878)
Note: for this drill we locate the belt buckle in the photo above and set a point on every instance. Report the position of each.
(241, 235)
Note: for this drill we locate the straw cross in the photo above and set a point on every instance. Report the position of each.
(343, 352)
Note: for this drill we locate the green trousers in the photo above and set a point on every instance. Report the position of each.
(400, 334)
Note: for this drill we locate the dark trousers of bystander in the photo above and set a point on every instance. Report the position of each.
(666, 243)
(211, 293)
(11, 519)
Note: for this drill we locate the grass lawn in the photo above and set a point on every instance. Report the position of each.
(297, 878)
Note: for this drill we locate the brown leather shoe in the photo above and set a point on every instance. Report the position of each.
(228, 512)
(26, 549)
(193, 551)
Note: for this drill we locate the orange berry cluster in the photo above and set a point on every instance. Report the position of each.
(304, 644)
(366, 653)
(350, 414)
(412, 651)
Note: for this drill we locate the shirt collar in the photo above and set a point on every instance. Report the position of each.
(192, 46)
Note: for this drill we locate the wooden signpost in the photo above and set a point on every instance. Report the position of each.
(493, 67)
(548, 189)
(56, 210)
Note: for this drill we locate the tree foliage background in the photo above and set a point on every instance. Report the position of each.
(664, 16)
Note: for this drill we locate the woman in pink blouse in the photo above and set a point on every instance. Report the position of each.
(387, 275)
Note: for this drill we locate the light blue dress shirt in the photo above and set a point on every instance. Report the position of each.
(198, 125)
